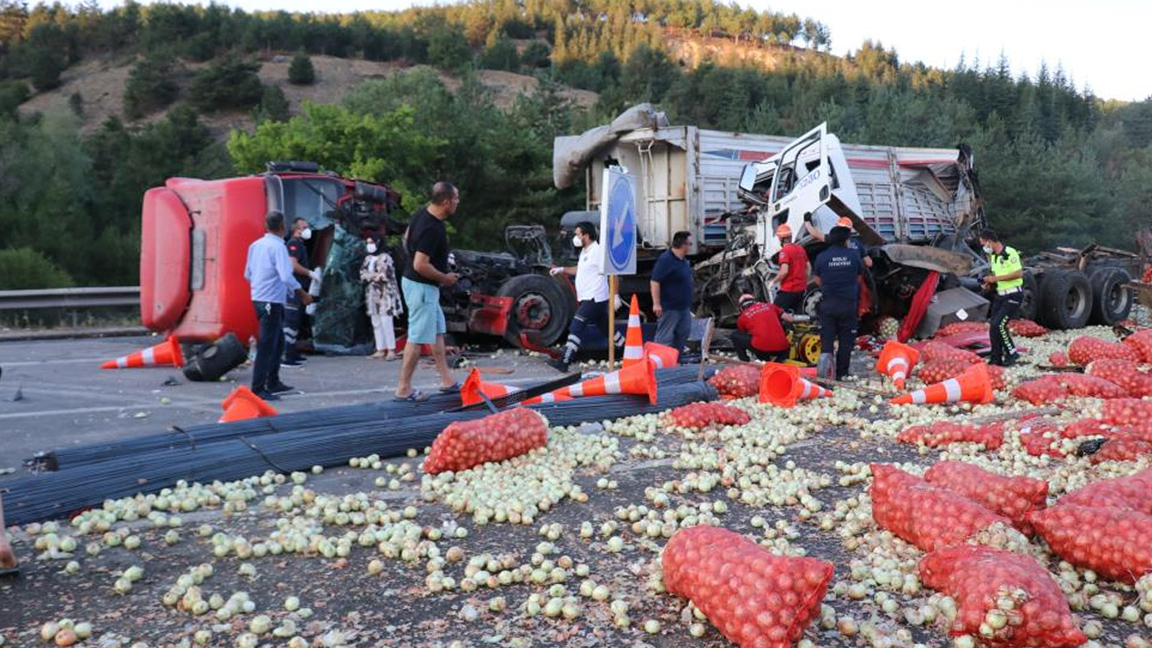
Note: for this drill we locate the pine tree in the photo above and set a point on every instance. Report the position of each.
(300, 71)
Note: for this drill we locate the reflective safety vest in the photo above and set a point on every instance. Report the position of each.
(1005, 263)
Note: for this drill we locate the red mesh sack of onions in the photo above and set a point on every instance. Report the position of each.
(922, 514)
(1127, 411)
(956, 328)
(737, 381)
(1040, 436)
(943, 433)
(1131, 492)
(1012, 497)
(1086, 427)
(1041, 391)
(942, 369)
(1141, 342)
(700, 415)
(1092, 386)
(1122, 448)
(933, 350)
(1086, 348)
(1058, 359)
(1124, 373)
(754, 598)
(1111, 541)
(501, 436)
(1004, 598)
(1026, 328)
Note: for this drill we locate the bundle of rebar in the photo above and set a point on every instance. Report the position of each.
(330, 443)
(192, 436)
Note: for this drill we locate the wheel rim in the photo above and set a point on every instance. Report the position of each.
(811, 301)
(1074, 304)
(533, 312)
(1117, 298)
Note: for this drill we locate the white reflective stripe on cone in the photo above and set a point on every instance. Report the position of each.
(899, 375)
(122, 362)
(633, 352)
(658, 362)
(149, 356)
(577, 390)
(953, 389)
(919, 397)
(807, 389)
(612, 383)
(633, 321)
(897, 361)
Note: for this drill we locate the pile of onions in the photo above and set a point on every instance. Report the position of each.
(501, 436)
(1012, 497)
(1124, 373)
(942, 369)
(697, 416)
(933, 350)
(1141, 342)
(1086, 348)
(1113, 542)
(1026, 328)
(736, 381)
(945, 433)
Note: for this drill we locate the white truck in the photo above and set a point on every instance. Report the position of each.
(916, 210)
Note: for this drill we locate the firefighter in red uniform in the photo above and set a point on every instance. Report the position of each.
(760, 332)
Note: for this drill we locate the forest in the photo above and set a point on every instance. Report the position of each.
(1058, 165)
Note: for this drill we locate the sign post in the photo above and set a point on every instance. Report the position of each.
(618, 236)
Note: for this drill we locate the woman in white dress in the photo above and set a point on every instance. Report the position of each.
(382, 296)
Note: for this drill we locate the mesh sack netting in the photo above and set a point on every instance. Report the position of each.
(1041, 391)
(737, 381)
(942, 369)
(754, 598)
(944, 433)
(1122, 372)
(1012, 497)
(933, 350)
(1086, 348)
(701, 415)
(501, 436)
(957, 328)
(1141, 342)
(1026, 328)
(1111, 541)
(1131, 492)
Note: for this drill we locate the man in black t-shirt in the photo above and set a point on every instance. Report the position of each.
(426, 269)
(294, 310)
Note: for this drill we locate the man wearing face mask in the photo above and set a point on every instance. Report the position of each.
(294, 310)
(1007, 278)
(591, 292)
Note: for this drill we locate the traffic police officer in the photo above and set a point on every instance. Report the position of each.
(1007, 278)
(836, 271)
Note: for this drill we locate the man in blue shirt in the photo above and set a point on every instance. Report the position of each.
(269, 272)
(836, 271)
(671, 286)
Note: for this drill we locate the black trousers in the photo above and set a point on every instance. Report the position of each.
(1004, 308)
(589, 313)
(293, 321)
(838, 321)
(745, 350)
(791, 302)
(269, 347)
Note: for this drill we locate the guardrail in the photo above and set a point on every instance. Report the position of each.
(69, 298)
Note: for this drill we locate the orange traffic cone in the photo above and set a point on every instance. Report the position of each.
(896, 361)
(634, 340)
(664, 356)
(972, 386)
(474, 386)
(639, 378)
(242, 404)
(165, 353)
(550, 397)
(782, 385)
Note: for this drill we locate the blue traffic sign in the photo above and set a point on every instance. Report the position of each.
(618, 223)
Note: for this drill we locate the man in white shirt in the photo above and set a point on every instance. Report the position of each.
(269, 272)
(591, 292)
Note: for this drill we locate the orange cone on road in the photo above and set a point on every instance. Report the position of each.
(634, 339)
(664, 356)
(640, 379)
(242, 405)
(784, 386)
(896, 361)
(474, 386)
(972, 386)
(163, 354)
(550, 397)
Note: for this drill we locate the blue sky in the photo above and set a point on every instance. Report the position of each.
(1100, 44)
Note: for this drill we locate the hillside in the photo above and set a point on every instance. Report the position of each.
(100, 81)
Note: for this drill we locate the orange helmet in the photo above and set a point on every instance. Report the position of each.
(844, 222)
(784, 231)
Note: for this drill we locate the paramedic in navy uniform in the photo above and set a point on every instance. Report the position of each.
(836, 271)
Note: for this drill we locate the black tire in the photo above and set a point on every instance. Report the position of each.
(1030, 306)
(1065, 299)
(216, 359)
(1111, 300)
(540, 304)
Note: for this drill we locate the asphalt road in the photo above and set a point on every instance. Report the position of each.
(67, 400)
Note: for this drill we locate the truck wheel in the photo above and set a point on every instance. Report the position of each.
(216, 359)
(812, 296)
(538, 304)
(1065, 299)
(1111, 300)
(1030, 305)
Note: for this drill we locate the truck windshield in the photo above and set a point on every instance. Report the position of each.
(304, 197)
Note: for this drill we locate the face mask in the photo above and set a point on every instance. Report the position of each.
(306, 234)
(371, 248)
(577, 241)
(988, 249)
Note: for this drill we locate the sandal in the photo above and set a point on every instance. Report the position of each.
(454, 388)
(391, 356)
(416, 396)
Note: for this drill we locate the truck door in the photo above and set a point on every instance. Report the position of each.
(802, 183)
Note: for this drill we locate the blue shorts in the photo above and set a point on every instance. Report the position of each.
(425, 317)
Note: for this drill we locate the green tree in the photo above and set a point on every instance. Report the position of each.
(535, 55)
(273, 105)
(447, 49)
(231, 83)
(300, 71)
(45, 66)
(501, 55)
(27, 269)
(150, 86)
(12, 94)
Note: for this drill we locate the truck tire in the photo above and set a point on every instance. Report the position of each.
(1029, 307)
(1065, 299)
(1111, 300)
(538, 303)
(216, 359)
